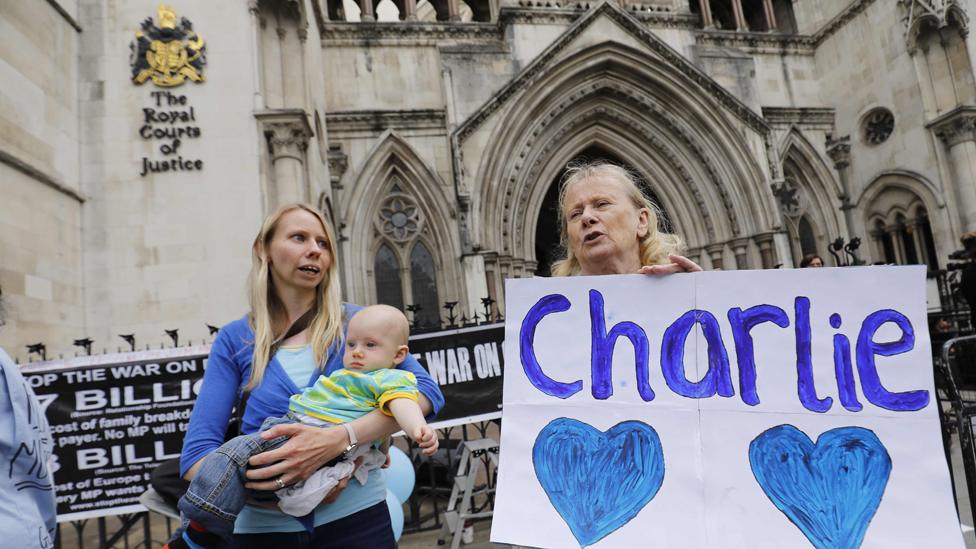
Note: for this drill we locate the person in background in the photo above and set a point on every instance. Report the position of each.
(967, 280)
(811, 260)
(27, 504)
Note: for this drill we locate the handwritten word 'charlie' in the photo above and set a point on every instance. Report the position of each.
(718, 379)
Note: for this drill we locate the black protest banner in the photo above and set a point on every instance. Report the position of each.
(113, 419)
(467, 363)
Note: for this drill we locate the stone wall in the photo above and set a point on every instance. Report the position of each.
(40, 190)
(813, 16)
(296, 106)
(170, 249)
(866, 65)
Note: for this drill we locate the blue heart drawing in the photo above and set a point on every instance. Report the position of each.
(598, 481)
(830, 490)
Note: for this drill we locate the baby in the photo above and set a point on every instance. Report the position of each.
(376, 342)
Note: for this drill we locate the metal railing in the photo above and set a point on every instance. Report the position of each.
(129, 531)
(436, 479)
(424, 509)
(955, 369)
(957, 407)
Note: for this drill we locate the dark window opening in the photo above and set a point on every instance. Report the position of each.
(423, 283)
(887, 246)
(722, 14)
(931, 259)
(785, 18)
(808, 240)
(907, 238)
(755, 15)
(386, 269)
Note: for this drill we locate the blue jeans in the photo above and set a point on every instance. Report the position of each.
(366, 529)
(217, 494)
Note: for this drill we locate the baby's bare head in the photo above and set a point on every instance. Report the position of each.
(383, 320)
(376, 339)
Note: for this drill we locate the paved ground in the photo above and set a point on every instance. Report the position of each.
(425, 540)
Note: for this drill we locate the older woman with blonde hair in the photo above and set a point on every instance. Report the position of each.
(293, 332)
(608, 226)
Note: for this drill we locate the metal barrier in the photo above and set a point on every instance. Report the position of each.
(425, 506)
(424, 509)
(435, 478)
(155, 531)
(956, 397)
(957, 406)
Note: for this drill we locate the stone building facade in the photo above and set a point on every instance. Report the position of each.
(432, 133)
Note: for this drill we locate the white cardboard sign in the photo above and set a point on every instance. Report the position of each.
(752, 409)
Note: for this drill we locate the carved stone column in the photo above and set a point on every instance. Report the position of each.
(694, 254)
(288, 142)
(740, 19)
(714, 252)
(366, 13)
(453, 10)
(706, 14)
(410, 10)
(957, 130)
(918, 241)
(895, 233)
(256, 72)
(740, 247)
(770, 15)
(839, 150)
(764, 242)
(292, 67)
(338, 164)
(274, 92)
(505, 266)
(288, 133)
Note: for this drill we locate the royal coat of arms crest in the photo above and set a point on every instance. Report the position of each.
(168, 54)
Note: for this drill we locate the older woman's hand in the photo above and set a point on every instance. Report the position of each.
(307, 449)
(679, 264)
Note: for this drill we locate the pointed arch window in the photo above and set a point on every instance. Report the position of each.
(405, 270)
(423, 285)
(901, 229)
(386, 269)
(801, 218)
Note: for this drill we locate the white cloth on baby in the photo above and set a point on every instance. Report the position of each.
(303, 497)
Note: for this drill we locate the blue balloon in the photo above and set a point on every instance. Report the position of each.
(400, 476)
(396, 514)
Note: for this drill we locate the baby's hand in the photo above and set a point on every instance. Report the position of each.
(427, 439)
